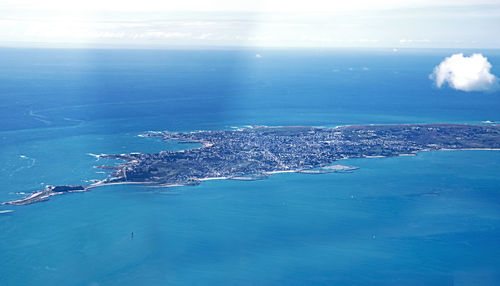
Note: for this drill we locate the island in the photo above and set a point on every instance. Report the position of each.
(259, 151)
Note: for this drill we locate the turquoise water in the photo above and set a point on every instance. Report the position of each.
(384, 221)
(431, 219)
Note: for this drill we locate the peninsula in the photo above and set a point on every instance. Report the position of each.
(259, 151)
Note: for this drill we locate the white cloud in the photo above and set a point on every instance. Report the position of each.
(465, 73)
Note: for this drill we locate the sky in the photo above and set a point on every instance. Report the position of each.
(259, 23)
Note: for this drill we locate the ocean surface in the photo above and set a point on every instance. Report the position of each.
(430, 219)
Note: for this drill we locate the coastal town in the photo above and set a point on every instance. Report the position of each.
(258, 151)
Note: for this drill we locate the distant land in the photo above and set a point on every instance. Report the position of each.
(256, 152)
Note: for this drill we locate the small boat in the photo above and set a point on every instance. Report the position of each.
(6, 211)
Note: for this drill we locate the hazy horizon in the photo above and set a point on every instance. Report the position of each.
(315, 24)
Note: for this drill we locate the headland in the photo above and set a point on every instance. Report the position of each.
(259, 151)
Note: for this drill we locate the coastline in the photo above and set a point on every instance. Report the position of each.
(306, 161)
(154, 185)
(45, 195)
(100, 184)
(279, 172)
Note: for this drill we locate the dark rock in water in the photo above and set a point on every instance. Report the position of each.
(61, 189)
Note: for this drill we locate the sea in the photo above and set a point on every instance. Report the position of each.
(430, 219)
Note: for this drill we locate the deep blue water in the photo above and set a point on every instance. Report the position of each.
(432, 219)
